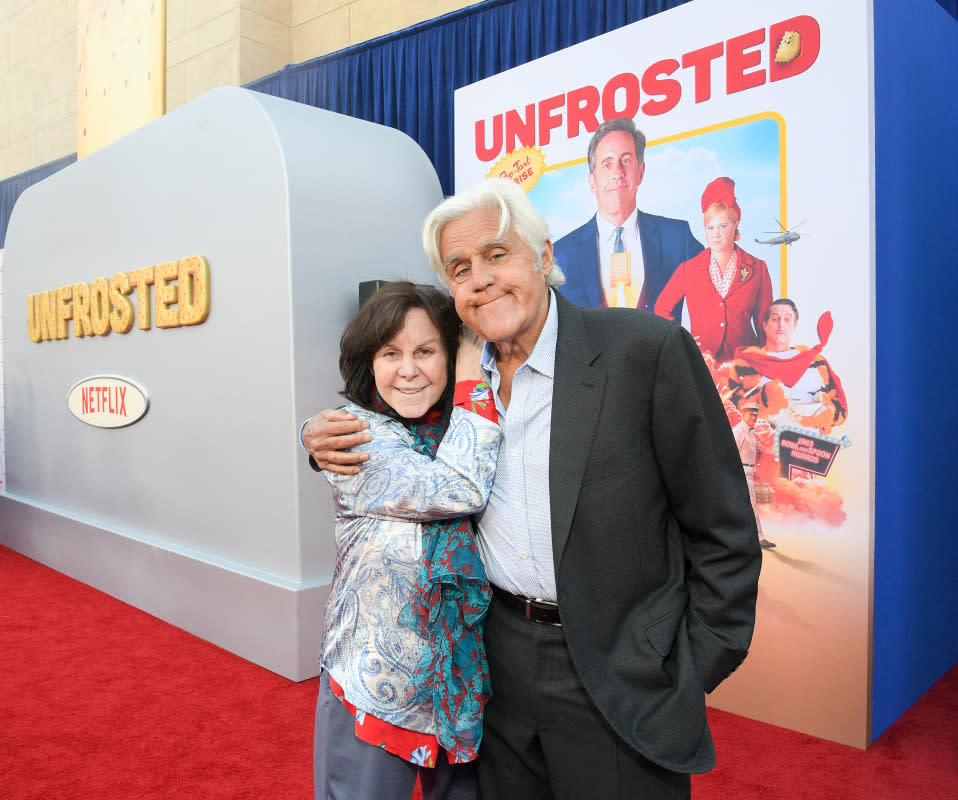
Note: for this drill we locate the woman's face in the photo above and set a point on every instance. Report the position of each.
(410, 369)
(720, 233)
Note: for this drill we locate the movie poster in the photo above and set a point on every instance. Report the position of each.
(748, 219)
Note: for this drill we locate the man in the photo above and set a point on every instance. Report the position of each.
(749, 450)
(622, 256)
(619, 505)
(794, 385)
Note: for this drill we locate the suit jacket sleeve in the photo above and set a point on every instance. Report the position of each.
(576, 254)
(708, 497)
(692, 245)
(672, 294)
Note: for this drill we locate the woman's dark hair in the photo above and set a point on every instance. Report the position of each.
(379, 320)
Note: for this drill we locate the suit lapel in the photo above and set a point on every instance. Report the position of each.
(576, 402)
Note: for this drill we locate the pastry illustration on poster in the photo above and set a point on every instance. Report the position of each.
(765, 113)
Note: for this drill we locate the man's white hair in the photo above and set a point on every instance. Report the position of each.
(516, 213)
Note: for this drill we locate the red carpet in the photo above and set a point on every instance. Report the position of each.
(100, 700)
(915, 759)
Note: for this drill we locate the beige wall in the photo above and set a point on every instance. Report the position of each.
(121, 69)
(324, 26)
(209, 43)
(38, 82)
(223, 42)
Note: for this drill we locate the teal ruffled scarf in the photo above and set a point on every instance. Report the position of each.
(448, 608)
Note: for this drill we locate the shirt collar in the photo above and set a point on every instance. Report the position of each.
(607, 229)
(543, 356)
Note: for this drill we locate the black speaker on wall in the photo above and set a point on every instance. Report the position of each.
(368, 288)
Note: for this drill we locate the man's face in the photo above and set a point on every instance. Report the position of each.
(779, 328)
(616, 176)
(750, 415)
(498, 292)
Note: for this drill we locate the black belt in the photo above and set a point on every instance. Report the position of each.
(543, 611)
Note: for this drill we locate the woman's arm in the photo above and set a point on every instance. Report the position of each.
(472, 392)
(399, 483)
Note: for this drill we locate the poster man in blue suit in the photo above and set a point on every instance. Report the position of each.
(622, 256)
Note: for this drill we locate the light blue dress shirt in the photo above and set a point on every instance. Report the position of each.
(515, 530)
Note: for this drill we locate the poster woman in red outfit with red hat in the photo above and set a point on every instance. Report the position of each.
(726, 289)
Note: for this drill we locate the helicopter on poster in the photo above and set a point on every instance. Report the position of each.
(783, 235)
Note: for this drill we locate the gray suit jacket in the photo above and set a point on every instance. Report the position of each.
(656, 549)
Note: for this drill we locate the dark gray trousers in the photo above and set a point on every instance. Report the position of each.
(543, 738)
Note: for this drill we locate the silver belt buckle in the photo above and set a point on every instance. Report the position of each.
(542, 602)
(528, 602)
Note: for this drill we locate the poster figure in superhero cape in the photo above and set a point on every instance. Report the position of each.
(800, 402)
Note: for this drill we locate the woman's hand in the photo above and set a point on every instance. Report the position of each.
(469, 356)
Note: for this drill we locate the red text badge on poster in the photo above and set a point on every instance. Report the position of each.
(107, 401)
(524, 167)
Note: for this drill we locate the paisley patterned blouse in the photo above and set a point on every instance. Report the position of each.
(379, 544)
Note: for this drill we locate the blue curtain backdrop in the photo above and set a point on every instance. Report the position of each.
(11, 188)
(406, 80)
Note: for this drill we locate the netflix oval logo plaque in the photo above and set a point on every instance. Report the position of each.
(108, 401)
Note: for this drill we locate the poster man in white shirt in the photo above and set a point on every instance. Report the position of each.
(622, 256)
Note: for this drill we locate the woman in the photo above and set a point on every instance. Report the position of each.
(404, 670)
(726, 289)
